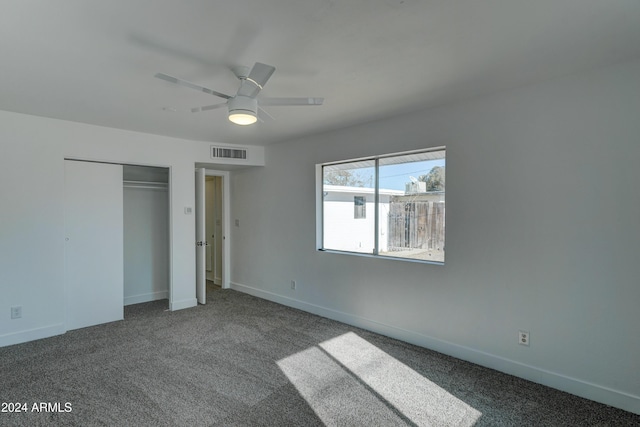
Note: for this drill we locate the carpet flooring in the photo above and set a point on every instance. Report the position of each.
(243, 361)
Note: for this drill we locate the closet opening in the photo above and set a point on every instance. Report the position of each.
(146, 236)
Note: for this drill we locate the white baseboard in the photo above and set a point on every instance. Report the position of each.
(32, 334)
(182, 304)
(588, 390)
(152, 296)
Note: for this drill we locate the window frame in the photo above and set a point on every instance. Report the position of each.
(320, 213)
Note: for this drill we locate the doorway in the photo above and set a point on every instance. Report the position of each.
(212, 229)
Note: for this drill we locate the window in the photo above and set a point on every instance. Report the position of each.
(406, 193)
(359, 207)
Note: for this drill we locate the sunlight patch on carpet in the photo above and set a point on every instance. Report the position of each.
(348, 380)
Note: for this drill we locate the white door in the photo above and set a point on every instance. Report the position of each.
(94, 259)
(201, 238)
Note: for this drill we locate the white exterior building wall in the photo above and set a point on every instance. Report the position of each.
(345, 232)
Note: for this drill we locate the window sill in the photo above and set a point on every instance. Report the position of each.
(365, 255)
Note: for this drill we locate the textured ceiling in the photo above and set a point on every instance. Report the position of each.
(93, 61)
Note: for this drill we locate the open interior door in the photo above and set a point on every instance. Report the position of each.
(201, 239)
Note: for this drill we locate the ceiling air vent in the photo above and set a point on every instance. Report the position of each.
(228, 153)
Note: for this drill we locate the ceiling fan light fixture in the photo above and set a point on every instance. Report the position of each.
(242, 118)
(243, 110)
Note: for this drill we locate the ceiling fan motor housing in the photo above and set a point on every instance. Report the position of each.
(243, 103)
(244, 106)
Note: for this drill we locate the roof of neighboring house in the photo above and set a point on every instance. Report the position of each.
(361, 190)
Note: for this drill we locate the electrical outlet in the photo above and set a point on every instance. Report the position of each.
(16, 312)
(523, 338)
(293, 284)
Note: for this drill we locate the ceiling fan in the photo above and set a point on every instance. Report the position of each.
(244, 105)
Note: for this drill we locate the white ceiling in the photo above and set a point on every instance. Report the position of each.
(93, 61)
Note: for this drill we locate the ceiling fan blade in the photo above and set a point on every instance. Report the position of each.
(208, 107)
(256, 80)
(261, 73)
(190, 85)
(262, 114)
(290, 101)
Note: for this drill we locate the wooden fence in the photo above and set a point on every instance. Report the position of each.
(416, 225)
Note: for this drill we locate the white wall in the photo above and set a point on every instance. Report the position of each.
(146, 244)
(543, 227)
(32, 152)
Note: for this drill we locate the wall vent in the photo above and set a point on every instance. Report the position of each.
(228, 153)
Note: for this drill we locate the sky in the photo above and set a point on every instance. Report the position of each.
(394, 177)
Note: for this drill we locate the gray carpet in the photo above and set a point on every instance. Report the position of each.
(243, 361)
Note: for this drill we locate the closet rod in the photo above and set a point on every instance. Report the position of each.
(146, 184)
